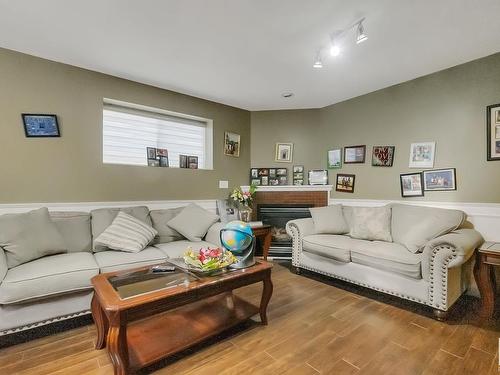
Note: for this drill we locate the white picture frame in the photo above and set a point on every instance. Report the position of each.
(422, 155)
(284, 152)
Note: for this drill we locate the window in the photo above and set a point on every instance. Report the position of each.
(128, 129)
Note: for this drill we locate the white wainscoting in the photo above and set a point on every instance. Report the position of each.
(209, 204)
(484, 216)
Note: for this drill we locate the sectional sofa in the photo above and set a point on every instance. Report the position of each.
(57, 287)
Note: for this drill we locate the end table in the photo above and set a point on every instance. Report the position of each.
(263, 232)
(487, 256)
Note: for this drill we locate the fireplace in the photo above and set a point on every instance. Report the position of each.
(277, 215)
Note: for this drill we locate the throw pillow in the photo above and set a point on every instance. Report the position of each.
(329, 220)
(160, 219)
(371, 223)
(29, 236)
(126, 233)
(193, 222)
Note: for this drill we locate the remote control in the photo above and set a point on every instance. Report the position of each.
(163, 268)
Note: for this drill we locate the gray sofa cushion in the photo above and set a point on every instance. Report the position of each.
(160, 218)
(329, 245)
(193, 222)
(48, 276)
(329, 220)
(178, 248)
(109, 261)
(371, 223)
(387, 256)
(414, 226)
(103, 217)
(28, 236)
(75, 229)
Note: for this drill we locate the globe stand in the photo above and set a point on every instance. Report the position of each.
(245, 256)
(245, 253)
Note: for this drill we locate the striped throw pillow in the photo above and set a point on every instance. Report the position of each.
(126, 233)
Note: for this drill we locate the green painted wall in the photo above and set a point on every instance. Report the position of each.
(447, 107)
(70, 168)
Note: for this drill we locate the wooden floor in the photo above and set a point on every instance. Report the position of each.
(316, 326)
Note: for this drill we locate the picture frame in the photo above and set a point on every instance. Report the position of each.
(153, 163)
(40, 125)
(298, 182)
(355, 154)
(383, 156)
(493, 132)
(283, 180)
(264, 180)
(344, 183)
(422, 155)
(334, 158)
(298, 168)
(255, 181)
(284, 152)
(151, 153)
(183, 161)
(232, 142)
(272, 173)
(440, 179)
(254, 173)
(226, 211)
(411, 185)
(263, 172)
(282, 172)
(318, 177)
(274, 181)
(298, 176)
(193, 162)
(161, 152)
(164, 161)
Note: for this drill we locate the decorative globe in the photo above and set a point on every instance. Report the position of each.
(236, 236)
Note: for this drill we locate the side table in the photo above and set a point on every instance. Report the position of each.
(264, 234)
(487, 256)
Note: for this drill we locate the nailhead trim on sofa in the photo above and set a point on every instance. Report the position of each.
(433, 299)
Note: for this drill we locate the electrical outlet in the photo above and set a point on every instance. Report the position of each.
(223, 184)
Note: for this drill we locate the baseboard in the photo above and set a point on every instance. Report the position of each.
(484, 216)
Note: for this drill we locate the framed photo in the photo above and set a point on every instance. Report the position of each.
(183, 161)
(318, 177)
(383, 156)
(345, 183)
(272, 172)
(40, 126)
(161, 152)
(282, 180)
(298, 176)
(164, 161)
(334, 158)
(354, 154)
(151, 152)
(411, 185)
(440, 180)
(255, 181)
(264, 180)
(193, 162)
(298, 168)
(263, 172)
(274, 181)
(422, 155)
(153, 163)
(284, 152)
(282, 172)
(254, 173)
(493, 132)
(225, 211)
(231, 144)
(298, 182)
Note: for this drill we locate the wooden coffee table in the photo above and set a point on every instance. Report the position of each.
(263, 232)
(143, 317)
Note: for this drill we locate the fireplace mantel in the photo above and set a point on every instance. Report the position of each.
(327, 188)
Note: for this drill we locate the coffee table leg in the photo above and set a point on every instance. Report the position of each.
(486, 286)
(266, 245)
(101, 322)
(117, 344)
(267, 292)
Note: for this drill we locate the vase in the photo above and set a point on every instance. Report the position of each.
(245, 214)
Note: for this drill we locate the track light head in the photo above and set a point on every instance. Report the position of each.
(361, 35)
(318, 64)
(334, 49)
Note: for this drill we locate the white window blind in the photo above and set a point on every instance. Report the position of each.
(127, 132)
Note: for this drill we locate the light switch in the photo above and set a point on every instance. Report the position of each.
(223, 184)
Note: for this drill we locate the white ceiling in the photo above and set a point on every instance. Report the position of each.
(246, 53)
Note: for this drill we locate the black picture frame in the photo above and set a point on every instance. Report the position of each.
(391, 150)
(29, 125)
(340, 187)
(420, 192)
(489, 133)
(356, 148)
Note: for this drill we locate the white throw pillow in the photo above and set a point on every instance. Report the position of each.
(126, 233)
(193, 222)
(371, 223)
(329, 220)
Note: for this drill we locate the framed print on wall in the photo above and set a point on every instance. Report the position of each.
(440, 180)
(232, 143)
(354, 154)
(383, 156)
(334, 158)
(411, 185)
(345, 183)
(318, 177)
(493, 132)
(40, 126)
(284, 152)
(422, 155)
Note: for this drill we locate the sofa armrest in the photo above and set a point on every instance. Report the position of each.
(213, 234)
(3, 265)
(298, 229)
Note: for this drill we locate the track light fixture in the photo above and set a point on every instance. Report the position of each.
(360, 35)
(318, 64)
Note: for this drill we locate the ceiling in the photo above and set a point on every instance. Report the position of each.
(246, 53)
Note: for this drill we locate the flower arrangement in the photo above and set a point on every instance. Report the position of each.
(243, 198)
(208, 259)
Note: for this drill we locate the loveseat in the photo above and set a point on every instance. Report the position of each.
(422, 254)
(57, 286)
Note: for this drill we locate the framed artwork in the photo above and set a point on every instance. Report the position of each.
(255, 181)
(272, 172)
(274, 181)
(232, 144)
(411, 185)
(318, 177)
(383, 156)
(493, 132)
(298, 182)
(254, 173)
(334, 158)
(298, 169)
(422, 155)
(164, 161)
(264, 180)
(225, 211)
(40, 126)
(281, 172)
(440, 180)
(263, 172)
(153, 163)
(282, 180)
(183, 161)
(151, 153)
(161, 152)
(284, 152)
(354, 154)
(345, 183)
(193, 162)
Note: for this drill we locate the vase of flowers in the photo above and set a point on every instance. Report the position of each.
(244, 201)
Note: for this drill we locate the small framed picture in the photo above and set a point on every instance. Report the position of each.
(298, 168)
(254, 173)
(298, 182)
(334, 158)
(298, 176)
(274, 181)
(383, 156)
(440, 180)
(183, 161)
(282, 172)
(231, 144)
(193, 162)
(161, 152)
(263, 172)
(422, 155)
(255, 181)
(318, 177)
(345, 183)
(264, 180)
(283, 180)
(272, 172)
(40, 126)
(411, 185)
(354, 154)
(151, 152)
(493, 132)
(153, 163)
(164, 161)
(284, 152)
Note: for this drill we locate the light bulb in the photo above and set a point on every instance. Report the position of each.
(334, 50)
